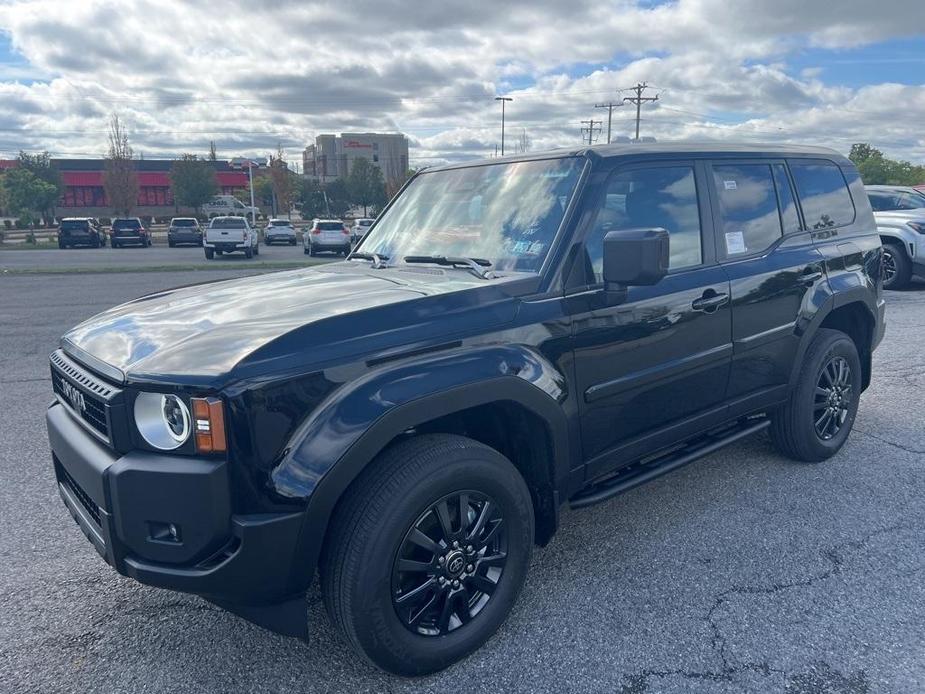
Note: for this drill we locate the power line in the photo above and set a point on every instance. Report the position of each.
(610, 107)
(639, 99)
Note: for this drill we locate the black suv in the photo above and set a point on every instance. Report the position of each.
(512, 335)
(80, 231)
(131, 231)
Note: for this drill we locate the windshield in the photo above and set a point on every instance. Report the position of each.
(228, 223)
(278, 223)
(507, 214)
(183, 223)
(74, 225)
(126, 224)
(365, 222)
(882, 201)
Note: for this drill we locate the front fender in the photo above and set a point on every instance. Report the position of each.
(346, 432)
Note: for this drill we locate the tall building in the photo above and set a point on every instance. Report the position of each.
(332, 156)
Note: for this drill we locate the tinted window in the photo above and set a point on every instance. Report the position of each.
(882, 201)
(183, 223)
(664, 197)
(823, 193)
(74, 225)
(330, 226)
(228, 223)
(788, 206)
(748, 212)
(126, 224)
(278, 223)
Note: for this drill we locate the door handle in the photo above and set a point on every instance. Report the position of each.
(812, 274)
(709, 302)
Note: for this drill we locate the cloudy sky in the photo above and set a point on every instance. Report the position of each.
(183, 72)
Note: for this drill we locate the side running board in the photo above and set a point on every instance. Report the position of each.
(642, 472)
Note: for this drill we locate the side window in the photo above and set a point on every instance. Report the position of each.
(664, 197)
(823, 193)
(788, 206)
(749, 217)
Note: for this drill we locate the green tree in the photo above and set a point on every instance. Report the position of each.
(876, 169)
(42, 167)
(338, 197)
(119, 176)
(309, 197)
(192, 181)
(24, 193)
(365, 185)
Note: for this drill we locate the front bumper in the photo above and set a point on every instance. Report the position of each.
(124, 504)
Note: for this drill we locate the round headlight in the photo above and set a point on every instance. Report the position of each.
(162, 420)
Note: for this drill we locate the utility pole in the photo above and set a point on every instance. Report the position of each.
(610, 106)
(638, 100)
(594, 126)
(503, 100)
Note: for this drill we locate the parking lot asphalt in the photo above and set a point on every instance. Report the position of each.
(743, 572)
(136, 258)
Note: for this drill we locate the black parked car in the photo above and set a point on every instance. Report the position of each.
(515, 334)
(129, 231)
(80, 231)
(184, 230)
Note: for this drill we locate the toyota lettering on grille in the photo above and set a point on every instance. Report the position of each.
(74, 396)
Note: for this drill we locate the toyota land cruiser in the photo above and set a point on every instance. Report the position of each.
(512, 335)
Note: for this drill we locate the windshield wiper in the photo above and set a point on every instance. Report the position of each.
(378, 260)
(476, 265)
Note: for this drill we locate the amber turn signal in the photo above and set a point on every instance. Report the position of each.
(209, 425)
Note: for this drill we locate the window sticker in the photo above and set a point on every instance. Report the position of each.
(735, 242)
(730, 185)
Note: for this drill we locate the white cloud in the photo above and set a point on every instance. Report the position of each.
(184, 72)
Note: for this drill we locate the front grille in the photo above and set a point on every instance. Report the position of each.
(81, 495)
(66, 378)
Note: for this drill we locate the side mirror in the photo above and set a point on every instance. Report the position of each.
(635, 257)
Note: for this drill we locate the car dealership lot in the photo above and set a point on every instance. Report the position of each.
(741, 572)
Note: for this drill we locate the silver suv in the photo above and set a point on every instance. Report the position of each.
(900, 215)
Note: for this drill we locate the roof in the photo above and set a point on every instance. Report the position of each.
(664, 149)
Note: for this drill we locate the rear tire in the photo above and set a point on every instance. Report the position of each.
(306, 251)
(257, 249)
(815, 422)
(171, 244)
(210, 253)
(248, 252)
(897, 268)
(292, 243)
(403, 619)
(62, 245)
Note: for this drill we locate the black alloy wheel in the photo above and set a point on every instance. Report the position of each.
(889, 265)
(833, 398)
(449, 563)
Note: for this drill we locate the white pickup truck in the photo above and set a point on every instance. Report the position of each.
(230, 234)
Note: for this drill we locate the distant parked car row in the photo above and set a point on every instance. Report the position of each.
(900, 215)
(87, 231)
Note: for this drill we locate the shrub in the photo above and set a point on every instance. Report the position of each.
(30, 238)
(7, 224)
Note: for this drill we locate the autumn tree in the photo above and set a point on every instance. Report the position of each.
(120, 179)
(365, 185)
(282, 183)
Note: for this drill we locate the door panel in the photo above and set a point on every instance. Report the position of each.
(662, 355)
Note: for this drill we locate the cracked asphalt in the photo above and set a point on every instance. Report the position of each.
(741, 573)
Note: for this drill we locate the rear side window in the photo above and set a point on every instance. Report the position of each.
(748, 207)
(823, 193)
(788, 206)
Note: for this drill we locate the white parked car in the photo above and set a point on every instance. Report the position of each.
(900, 215)
(330, 235)
(226, 205)
(230, 234)
(360, 227)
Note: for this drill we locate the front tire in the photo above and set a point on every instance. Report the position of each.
(427, 553)
(248, 252)
(210, 253)
(897, 268)
(814, 424)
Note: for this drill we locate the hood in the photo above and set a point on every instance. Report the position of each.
(901, 215)
(193, 334)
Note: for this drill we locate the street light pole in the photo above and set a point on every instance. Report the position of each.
(250, 177)
(503, 99)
